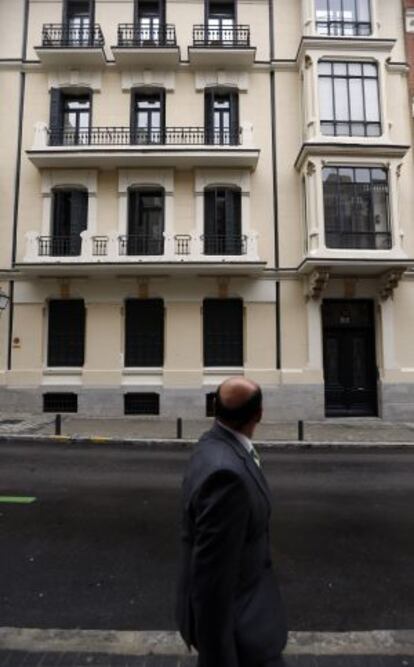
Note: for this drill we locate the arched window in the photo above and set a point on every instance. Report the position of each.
(69, 219)
(145, 222)
(222, 221)
(148, 116)
(70, 117)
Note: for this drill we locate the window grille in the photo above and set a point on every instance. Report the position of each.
(66, 340)
(223, 332)
(60, 402)
(141, 404)
(144, 333)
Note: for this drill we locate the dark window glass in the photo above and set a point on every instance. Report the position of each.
(60, 402)
(345, 18)
(149, 16)
(145, 222)
(78, 22)
(66, 339)
(221, 20)
(76, 119)
(148, 118)
(141, 404)
(356, 208)
(223, 332)
(222, 222)
(70, 210)
(221, 118)
(349, 99)
(144, 333)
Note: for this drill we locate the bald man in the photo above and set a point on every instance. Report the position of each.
(229, 607)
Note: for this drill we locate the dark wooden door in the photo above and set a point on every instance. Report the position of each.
(349, 359)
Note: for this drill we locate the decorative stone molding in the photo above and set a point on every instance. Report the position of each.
(138, 78)
(239, 80)
(71, 178)
(390, 282)
(316, 284)
(76, 79)
(222, 177)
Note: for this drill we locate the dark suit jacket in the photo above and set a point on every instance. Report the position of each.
(228, 604)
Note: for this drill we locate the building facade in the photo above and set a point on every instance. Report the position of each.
(195, 189)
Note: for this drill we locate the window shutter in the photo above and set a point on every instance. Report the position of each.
(234, 118)
(223, 332)
(133, 123)
(233, 222)
(210, 222)
(162, 115)
(144, 333)
(78, 219)
(58, 226)
(56, 117)
(66, 339)
(209, 117)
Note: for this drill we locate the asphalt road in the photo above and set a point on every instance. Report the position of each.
(98, 548)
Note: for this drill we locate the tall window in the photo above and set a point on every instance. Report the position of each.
(70, 213)
(221, 17)
(223, 332)
(66, 339)
(356, 208)
(221, 117)
(77, 20)
(145, 222)
(144, 332)
(222, 222)
(148, 113)
(345, 18)
(349, 99)
(149, 16)
(70, 118)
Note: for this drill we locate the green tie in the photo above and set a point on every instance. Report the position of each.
(255, 457)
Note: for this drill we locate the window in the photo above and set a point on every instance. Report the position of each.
(141, 404)
(70, 118)
(78, 18)
(60, 402)
(221, 117)
(149, 16)
(69, 219)
(356, 208)
(345, 18)
(144, 333)
(148, 114)
(349, 99)
(223, 332)
(145, 223)
(222, 222)
(221, 17)
(66, 339)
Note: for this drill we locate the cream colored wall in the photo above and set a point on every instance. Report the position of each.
(9, 99)
(183, 339)
(29, 329)
(11, 28)
(255, 13)
(288, 28)
(404, 330)
(184, 204)
(41, 12)
(294, 340)
(260, 342)
(104, 344)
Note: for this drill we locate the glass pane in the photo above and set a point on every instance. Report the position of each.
(342, 129)
(370, 70)
(357, 100)
(341, 99)
(349, 10)
(335, 13)
(363, 10)
(143, 119)
(326, 99)
(340, 69)
(358, 130)
(374, 130)
(371, 100)
(328, 129)
(69, 121)
(321, 10)
(325, 68)
(355, 69)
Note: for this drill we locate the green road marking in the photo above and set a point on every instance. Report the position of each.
(21, 500)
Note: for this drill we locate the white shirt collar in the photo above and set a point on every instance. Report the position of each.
(243, 439)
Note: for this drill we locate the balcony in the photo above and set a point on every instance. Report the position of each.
(221, 46)
(117, 147)
(146, 45)
(129, 254)
(71, 46)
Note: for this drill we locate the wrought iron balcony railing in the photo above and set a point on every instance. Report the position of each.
(359, 240)
(125, 136)
(140, 245)
(224, 244)
(60, 246)
(64, 36)
(146, 35)
(221, 36)
(344, 28)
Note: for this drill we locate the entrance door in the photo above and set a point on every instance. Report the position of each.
(349, 359)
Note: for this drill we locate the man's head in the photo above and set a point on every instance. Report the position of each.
(238, 404)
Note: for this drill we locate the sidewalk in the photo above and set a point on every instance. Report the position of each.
(153, 428)
(25, 659)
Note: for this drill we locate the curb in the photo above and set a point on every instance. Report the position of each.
(377, 642)
(185, 443)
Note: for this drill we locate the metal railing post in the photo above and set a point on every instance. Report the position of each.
(301, 431)
(58, 425)
(179, 428)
